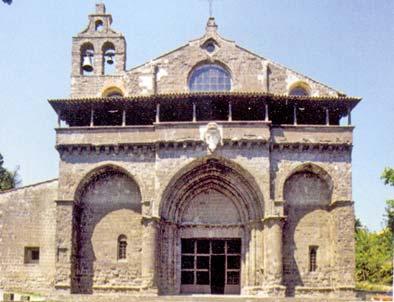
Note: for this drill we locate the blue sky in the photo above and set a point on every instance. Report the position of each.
(348, 45)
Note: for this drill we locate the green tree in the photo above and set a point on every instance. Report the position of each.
(388, 178)
(8, 179)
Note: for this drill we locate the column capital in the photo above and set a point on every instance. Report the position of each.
(274, 218)
(341, 203)
(150, 219)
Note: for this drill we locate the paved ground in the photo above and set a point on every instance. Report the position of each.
(194, 298)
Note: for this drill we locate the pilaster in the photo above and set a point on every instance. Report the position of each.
(64, 243)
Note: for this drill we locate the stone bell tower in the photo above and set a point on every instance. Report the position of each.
(98, 52)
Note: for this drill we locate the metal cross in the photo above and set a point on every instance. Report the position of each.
(210, 7)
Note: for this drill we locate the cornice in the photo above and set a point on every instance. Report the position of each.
(150, 148)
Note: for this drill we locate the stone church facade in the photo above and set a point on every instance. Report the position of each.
(207, 170)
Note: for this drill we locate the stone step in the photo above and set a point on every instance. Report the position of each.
(188, 298)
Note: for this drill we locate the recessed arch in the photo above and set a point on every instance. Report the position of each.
(299, 88)
(107, 169)
(313, 169)
(219, 174)
(210, 76)
(106, 220)
(112, 91)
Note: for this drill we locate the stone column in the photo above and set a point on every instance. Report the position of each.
(149, 252)
(64, 243)
(273, 264)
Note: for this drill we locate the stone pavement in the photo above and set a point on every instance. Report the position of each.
(193, 298)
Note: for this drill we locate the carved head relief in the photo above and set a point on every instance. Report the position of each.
(212, 136)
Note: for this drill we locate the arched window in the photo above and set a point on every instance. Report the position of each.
(210, 77)
(299, 89)
(122, 247)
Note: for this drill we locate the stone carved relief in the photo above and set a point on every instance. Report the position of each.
(212, 137)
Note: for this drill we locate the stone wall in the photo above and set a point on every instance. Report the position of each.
(308, 224)
(170, 72)
(27, 219)
(109, 207)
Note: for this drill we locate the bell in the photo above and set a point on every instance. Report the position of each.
(87, 64)
(110, 59)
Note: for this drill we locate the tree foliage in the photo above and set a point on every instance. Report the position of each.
(374, 256)
(7, 1)
(374, 250)
(388, 179)
(8, 179)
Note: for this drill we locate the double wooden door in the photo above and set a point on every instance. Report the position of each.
(211, 266)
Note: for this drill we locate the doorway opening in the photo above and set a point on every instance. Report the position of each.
(211, 266)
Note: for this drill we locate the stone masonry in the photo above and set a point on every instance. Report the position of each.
(129, 195)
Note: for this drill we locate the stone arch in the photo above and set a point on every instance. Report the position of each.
(112, 91)
(231, 192)
(107, 205)
(307, 192)
(313, 169)
(225, 176)
(99, 171)
(300, 88)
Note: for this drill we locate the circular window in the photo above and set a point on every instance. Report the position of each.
(210, 47)
(210, 77)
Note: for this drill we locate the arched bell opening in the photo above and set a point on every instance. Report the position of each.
(109, 58)
(210, 224)
(107, 231)
(87, 59)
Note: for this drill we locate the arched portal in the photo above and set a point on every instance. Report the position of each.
(107, 212)
(211, 220)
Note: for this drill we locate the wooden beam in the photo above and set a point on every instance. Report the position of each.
(91, 117)
(158, 113)
(194, 112)
(230, 112)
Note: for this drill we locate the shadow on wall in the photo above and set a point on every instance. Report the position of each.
(100, 214)
(307, 227)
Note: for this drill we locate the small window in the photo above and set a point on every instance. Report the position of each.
(312, 258)
(32, 255)
(122, 247)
